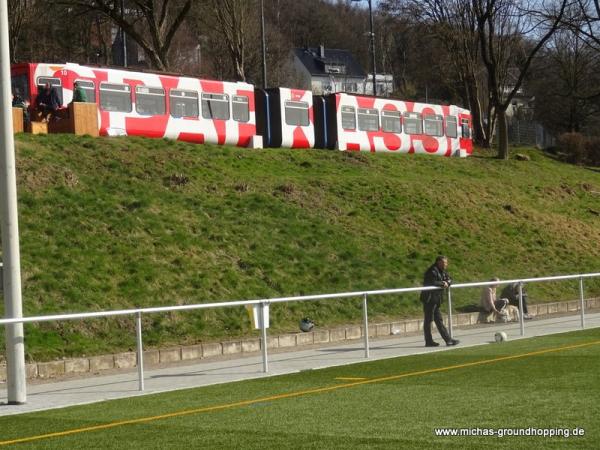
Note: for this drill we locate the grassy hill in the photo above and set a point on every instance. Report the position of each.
(131, 222)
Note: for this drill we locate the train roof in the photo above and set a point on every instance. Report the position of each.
(132, 70)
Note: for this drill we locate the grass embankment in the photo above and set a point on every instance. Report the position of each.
(539, 383)
(131, 222)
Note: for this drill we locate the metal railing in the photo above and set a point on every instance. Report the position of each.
(263, 303)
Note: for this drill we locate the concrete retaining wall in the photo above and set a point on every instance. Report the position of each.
(97, 364)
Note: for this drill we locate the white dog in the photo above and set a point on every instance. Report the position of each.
(509, 313)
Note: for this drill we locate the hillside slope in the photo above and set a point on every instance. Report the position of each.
(128, 222)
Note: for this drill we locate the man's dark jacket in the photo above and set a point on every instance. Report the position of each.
(434, 276)
(49, 98)
(511, 292)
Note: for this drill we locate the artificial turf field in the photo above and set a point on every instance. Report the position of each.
(545, 382)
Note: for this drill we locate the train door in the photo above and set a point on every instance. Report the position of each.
(320, 113)
(264, 125)
(466, 140)
(20, 82)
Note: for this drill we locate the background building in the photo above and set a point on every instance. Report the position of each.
(328, 70)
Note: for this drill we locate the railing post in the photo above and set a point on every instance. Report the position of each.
(521, 318)
(366, 324)
(140, 350)
(263, 331)
(582, 302)
(450, 313)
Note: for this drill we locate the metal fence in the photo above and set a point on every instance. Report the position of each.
(528, 132)
(263, 304)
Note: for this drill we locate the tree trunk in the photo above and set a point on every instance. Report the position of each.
(502, 134)
(490, 126)
(475, 106)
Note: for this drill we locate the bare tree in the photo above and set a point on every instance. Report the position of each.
(587, 21)
(567, 87)
(454, 24)
(18, 13)
(230, 28)
(511, 33)
(151, 23)
(232, 17)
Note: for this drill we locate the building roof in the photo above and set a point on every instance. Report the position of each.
(316, 64)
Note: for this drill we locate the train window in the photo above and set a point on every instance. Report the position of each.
(296, 113)
(433, 125)
(240, 108)
(451, 127)
(115, 97)
(55, 83)
(413, 123)
(368, 119)
(20, 86)
(466, 130)
(149, 101)
(348, 118)
(391, 121)
(89, 88)
(184, 103)
(215, 106)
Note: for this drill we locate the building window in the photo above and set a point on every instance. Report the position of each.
(335, 68)
(413, 123)
(348, 118)
(368, 119)
(55, 84)
(296, 113)
(451, 127)
(215, 106)
(240, 108)
(434, 125)
(115, 97)
(350, 87)
(149, 101)
(183, 103)
(391, 121)
(89, 88)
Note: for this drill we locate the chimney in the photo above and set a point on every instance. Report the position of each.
(322, 51)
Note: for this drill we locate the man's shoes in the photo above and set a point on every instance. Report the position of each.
(452, 342)
(527, 317)
(432, 344)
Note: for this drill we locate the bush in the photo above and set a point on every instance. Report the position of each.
(592, 149)
(579, 149)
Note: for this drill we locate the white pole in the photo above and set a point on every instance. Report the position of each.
(263, 333)
(140, 350)
(15, 345)
(450, 313)
(521, 318)
(582, 302)
(366, 325)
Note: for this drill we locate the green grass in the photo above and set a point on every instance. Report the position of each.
(131, 222)
(519, 384)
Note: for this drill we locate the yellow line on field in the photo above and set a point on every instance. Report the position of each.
(290, 395)
(350, 378)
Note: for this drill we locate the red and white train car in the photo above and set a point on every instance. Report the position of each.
(235, 113)
(149, 104)
(387, 125)
(286, 117)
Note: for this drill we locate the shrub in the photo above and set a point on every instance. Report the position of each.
(592, 150)
(572, 145)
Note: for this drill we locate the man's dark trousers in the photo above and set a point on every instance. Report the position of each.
(432, 312)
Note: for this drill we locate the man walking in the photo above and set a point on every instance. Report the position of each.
(436, 275)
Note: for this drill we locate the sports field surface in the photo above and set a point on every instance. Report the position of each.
(539, 385)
